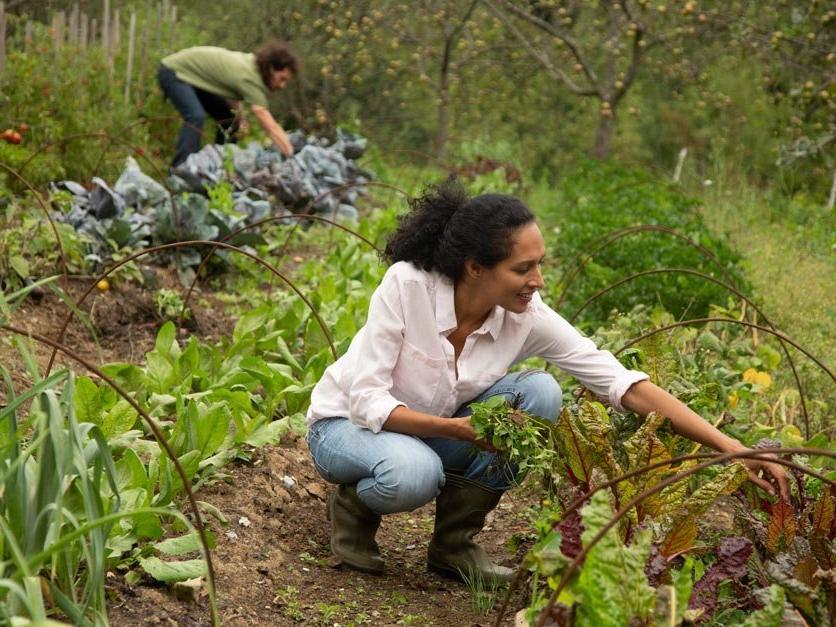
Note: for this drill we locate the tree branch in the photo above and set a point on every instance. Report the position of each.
(11, 4)
(559, 33)
(541, 58)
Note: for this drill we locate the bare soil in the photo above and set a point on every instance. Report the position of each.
(273, 562)
(274, 565)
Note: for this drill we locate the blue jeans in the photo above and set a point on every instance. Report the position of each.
(194, 104)
(398, 473)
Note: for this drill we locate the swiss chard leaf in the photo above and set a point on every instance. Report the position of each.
(732, 557)
(612, 587)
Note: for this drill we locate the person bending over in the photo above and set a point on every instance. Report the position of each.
(459, 305)
(207, 80)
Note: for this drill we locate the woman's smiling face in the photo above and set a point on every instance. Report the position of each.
(512, 282)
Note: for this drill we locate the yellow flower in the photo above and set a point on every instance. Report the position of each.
(759, 378)
(733, 400)
(794, 433)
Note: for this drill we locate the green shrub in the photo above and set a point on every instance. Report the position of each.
(596, 199)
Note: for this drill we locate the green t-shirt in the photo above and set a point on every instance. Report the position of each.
(230, 74)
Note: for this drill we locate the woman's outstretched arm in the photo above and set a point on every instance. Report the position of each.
(645, 397)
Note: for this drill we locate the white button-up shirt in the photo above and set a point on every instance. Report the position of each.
(402, 356)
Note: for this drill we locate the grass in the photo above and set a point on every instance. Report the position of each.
(484, 593)
(788, 251)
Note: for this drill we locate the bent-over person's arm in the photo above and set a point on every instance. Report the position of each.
(273, 130)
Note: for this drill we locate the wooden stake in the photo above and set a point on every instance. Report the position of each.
(116, 34)
(680, 159)
(146, 23)
(166, 12)
(130, 62)
(173, 27)
(83, 31)
(106, 29)
(2, 36)
(58, 30)
(159, 27)
(72, 34)
(114, 43)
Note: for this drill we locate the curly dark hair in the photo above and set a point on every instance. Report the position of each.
(444, 227)
(276, 55)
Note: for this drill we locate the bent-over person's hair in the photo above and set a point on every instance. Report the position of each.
(276, 55)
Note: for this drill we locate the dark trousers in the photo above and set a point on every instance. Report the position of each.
(194, 104)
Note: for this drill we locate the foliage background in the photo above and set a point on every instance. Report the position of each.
(744, 85)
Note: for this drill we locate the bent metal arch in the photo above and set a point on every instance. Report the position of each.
(43, 206)
(609, 238)
(193, 243)
(683, 323)
(727, 286)
(305, 215)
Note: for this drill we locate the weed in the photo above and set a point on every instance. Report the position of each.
(220, 197)
(169, 304)
(310, 559)
(328, 612)
(288, 598)
(484, 592)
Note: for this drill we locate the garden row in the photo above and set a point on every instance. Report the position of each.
(90, 488)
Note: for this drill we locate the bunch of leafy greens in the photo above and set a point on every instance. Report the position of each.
(522, 439)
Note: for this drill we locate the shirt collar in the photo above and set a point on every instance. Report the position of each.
(493, 322)
(445, 307)
(445, 312)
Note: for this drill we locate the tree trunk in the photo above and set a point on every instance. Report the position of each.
(606, 115)
(603, 136)
(442, 132)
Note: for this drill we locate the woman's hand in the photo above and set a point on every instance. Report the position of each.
(462, 429)
(762, 471)
(405, 420)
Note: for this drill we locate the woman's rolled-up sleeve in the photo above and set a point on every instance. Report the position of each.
(557, 341)
(376, 353)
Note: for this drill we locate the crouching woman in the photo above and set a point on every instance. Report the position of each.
(459, 305)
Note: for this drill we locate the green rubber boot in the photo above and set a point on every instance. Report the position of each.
(460, 512)
(353, 527)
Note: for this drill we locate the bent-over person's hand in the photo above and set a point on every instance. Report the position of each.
(282, 142)
(274, 131)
